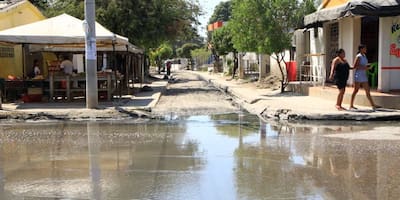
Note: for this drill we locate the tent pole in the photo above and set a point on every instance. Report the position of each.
(23, 61)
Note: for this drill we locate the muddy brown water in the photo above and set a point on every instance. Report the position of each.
(231, 156)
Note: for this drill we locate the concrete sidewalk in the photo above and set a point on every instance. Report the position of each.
(128, 106)
(266, 103)
(291, 106)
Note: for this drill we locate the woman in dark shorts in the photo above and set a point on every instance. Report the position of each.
(340, 73)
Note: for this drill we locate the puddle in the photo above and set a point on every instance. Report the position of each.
(233, 156)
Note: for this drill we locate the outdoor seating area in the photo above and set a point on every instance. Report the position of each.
(72, 87)
(58, 88)
(47, 62)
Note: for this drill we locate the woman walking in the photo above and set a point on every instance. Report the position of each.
(340, 73)
(360, 76)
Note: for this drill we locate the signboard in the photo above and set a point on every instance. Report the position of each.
(395, 43)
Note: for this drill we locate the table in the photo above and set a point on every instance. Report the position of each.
(14, 88)
(68, 85)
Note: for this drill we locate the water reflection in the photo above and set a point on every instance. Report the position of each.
(236, 156)
(300, 165)
(75, 160)
(94, 158)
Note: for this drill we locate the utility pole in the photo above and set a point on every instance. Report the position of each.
(91, 55)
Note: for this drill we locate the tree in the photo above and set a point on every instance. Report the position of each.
(147, 23)
(185, 50)
(222, 41)
(72, 7)
(265, 26)
(306, 7)
(41, 4)
(222, 12)
(200, 56)
(247, 25)
(222, 45)
(164, 51)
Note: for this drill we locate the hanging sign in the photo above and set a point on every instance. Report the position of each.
(395, 45)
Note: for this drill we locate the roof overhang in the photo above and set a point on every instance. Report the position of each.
(382, 8)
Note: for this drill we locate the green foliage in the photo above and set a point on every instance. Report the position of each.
(247, 24)
(306, 7)
(72, 7)
(200, 56)
(164, 51)
(266, 26)
(222, 12)
(222, 41)
(147, 23)
(282, 21)
(200, 53)
(185, 50)
(41, 4)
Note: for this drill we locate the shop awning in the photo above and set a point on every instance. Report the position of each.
(62, 29)
(381, 8)
(81, 48)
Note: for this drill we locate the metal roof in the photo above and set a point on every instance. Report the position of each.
(381, 8)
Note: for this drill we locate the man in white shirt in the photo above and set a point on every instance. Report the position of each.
(67, 66)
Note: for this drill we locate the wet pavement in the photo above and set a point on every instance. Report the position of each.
(232, 156)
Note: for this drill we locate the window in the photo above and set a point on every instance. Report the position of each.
(6, 52)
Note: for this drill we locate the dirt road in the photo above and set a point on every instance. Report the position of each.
(188, 94)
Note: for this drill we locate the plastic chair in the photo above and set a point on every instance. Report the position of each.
(373, 74)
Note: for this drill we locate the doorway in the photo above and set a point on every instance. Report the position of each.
(370, 37)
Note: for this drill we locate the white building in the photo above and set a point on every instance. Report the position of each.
(348, 23)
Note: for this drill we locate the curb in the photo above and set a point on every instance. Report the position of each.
(284, 114)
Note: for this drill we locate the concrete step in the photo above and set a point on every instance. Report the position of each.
(385, 100)
(330, 92)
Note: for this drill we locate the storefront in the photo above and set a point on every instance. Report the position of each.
(346, 25)
(118, 60)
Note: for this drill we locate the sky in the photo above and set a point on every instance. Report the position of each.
(208, 9)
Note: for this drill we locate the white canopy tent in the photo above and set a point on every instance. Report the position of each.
(81, 47)
(64, 33)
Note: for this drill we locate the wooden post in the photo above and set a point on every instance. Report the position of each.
(109, 86)
(1, 100)
(51, 83)
(68, 88)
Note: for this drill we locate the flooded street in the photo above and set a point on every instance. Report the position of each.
(231, 156)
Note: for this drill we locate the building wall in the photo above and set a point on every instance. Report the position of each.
(300, 39)
(349, 39)
(19, 14)
(264, 65)
(12, 16)
(10, 63)
(317, 49)
(389, 65)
